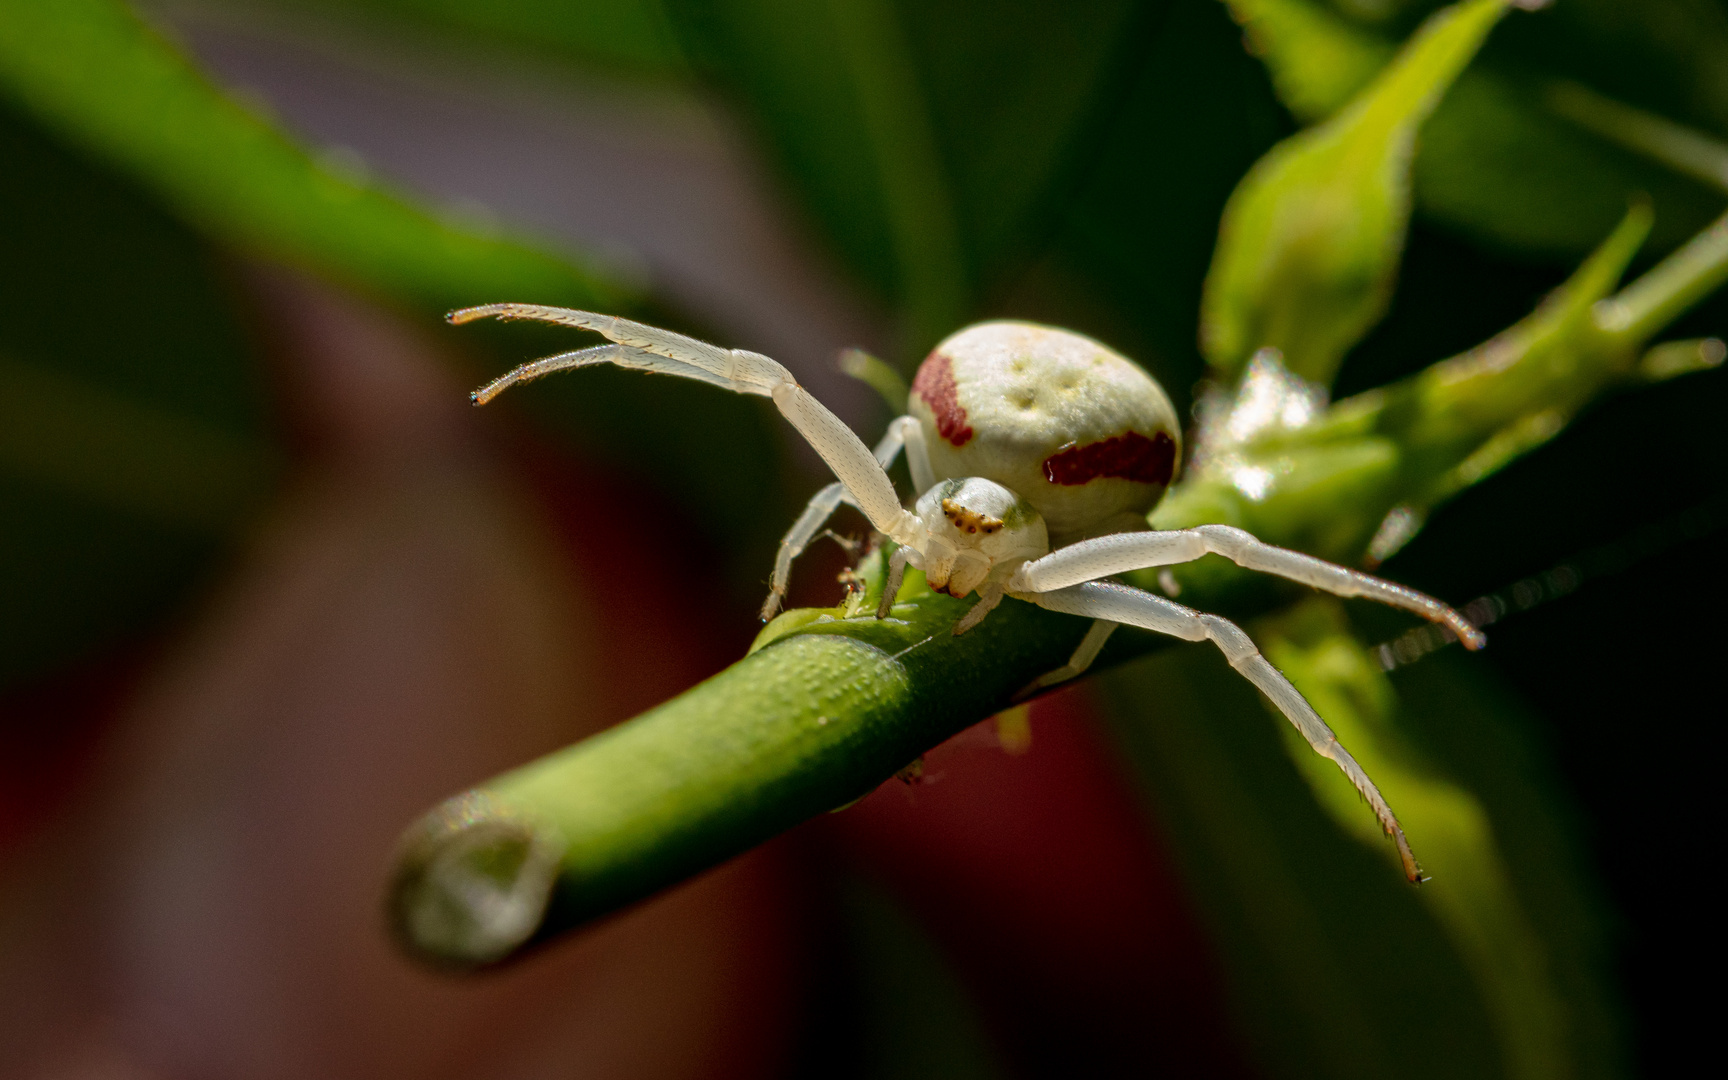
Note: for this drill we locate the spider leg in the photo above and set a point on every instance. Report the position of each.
(622, 355)
(917, 454)
(1120, 603)
(652, 339)
(822, 506)
(988, 597)
(896, 574)
(653, 349)
(1084, 653)
(1118, 553)
(853, 463)
(816, 513)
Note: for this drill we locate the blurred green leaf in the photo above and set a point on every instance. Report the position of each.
(1318, 60)
(921, 138)
(632, 37)
(1680, 148)
(1323, 955)
(1663, 56)
(133, 435)
(918, 1019)
(1335, 965)
(135, 446)
(63, 432)
(917, 201)
(1309, 244)
(1470, 894)
(1495, 167)
(123, 97)
(1131, 240)
(1495, 162)
(92, 70)
(1474, 730)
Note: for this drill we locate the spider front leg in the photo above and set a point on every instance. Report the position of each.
(622, 355)
(1119, 553)
(649, 348)
(903, 433)
(1121, 604)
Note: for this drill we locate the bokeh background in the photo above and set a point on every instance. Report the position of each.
(269, 588)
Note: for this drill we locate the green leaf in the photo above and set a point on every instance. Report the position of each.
(918, 1019)
(917, 200)
(1132, 238)
(1496, 161)
(124, 98)
(133, 435)
(1309, 244)
(1507, 933)
(1335, 965)
(1471, 894)
(1682, 149)
(632, 37)
(1475, 731)
(1663, 56)
(79, 436)
(91, 69)
(134, 444)
(1497, 166)
(1318, 60)
(921, 138)
(878, 376)
(832, 89)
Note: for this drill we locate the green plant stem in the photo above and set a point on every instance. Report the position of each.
(1681, 148)
(813, 721)
(1678, 282)
(1418, 442)
(827, 706)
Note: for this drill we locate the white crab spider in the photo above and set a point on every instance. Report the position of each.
(973, 533)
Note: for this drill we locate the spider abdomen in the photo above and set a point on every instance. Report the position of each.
(1077, 429)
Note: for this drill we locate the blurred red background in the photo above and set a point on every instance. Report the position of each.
(193, 870)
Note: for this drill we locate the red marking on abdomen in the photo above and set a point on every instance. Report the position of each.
(1130, 457)
(935, 384)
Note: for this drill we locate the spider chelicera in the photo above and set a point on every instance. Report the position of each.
(1037, 454)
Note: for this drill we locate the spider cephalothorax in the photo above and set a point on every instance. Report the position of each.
(1017, 435)
(975, 530)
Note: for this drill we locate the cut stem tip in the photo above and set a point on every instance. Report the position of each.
(473, 882)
